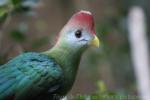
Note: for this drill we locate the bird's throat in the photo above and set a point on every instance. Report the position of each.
(68, 58)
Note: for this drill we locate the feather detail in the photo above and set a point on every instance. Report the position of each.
(28, 76)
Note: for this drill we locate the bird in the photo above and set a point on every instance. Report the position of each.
(49, 75)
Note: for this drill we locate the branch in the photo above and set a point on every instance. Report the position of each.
(139, 50)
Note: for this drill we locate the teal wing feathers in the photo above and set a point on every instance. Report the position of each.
(29, 75)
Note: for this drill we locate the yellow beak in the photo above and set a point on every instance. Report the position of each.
(95, 42)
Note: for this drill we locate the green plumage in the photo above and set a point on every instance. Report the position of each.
(51, 74)
(29, 76)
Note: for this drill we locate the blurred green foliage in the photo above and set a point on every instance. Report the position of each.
(17, 36)
(10, 7)
(3, 14)
(104, 94)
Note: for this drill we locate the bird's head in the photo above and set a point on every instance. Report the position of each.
(79, 32)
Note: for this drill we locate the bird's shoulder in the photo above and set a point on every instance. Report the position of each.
(37, 62)
(31, 71)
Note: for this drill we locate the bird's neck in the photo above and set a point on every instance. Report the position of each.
(67, 57)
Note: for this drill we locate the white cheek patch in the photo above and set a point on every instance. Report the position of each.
(71, 38)
(78, 42)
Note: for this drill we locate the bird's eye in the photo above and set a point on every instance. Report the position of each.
(78, 33)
